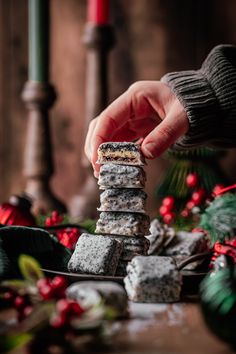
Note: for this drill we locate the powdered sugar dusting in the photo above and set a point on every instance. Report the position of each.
(145, 315)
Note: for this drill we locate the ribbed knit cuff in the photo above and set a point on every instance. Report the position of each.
(208, 96)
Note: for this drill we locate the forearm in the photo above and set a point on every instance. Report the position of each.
(209, 99)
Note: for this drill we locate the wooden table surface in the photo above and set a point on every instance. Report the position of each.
(163, 329)
(167, 329)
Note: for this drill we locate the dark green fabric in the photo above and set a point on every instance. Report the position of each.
(38, 243)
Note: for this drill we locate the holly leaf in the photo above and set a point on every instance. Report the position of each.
(14, 284)
(10, 342)
(89, 225)
(30, 268)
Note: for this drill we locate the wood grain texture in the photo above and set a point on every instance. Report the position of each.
(13, 69)
(158, 328)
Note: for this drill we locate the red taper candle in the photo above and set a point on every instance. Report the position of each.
(98, 12)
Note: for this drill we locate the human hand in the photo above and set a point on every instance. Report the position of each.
(147, 110)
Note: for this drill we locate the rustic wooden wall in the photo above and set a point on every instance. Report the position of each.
(153, 37)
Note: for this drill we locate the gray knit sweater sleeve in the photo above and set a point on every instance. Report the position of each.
(209, 98)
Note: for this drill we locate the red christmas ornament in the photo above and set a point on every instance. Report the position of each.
(192, 180)
(168, 218)
(17, 212)
(168, 202)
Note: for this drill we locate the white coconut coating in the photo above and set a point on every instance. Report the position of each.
(90, 293)
(130, 200)
(119, 223)
(95, 255)
(153, 279)
(186, 244)
(121, 176)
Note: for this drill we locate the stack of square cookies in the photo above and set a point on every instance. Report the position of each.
(123, 223)
(123, 201)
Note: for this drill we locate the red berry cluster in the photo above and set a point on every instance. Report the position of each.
(166, 210)
(197, 198)
(49, 289)
(67, 236)
(198, 195)
(54, 219)
(66, 310)
(21, 303)
(52, 288)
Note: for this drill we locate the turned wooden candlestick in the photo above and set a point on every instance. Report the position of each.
(99, 39)
(38, 162)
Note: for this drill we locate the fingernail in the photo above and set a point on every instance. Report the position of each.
(96, 174)
(149, 150)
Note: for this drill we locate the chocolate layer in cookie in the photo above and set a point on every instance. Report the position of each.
(120, 223)
(121, 176)
(95, 255)
(130, 200)
(120, 153)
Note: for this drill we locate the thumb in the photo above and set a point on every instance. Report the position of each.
(173, 126)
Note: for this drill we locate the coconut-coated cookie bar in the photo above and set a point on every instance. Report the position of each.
(120, 153)
(186, 244)
(153, 279)
(161, 235)
(89, 293)
(121, 176)
(130, 200)
(132, 246)
(95, 255)
(120, 223)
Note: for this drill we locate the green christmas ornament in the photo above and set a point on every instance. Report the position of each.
(219, 219)
(218, 303)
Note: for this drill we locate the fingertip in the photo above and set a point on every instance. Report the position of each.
(139, 141)
(96, 169)
(149, 150)
(96, 174)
